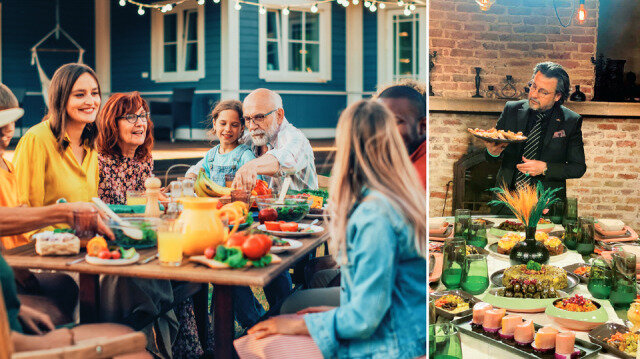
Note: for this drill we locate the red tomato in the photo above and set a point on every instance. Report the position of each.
(104, 254)
(209, 252)
(115, 254)
(236, 240)
(267, 214)
(272, 226)
(265, 240)
(253, 248)
(289, 227)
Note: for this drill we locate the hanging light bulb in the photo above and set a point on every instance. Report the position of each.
(407, 12)
(412, 7)
(581, 16)
(122, 2)
(373, 7)
(238, 6)
(314, 8)
(367, 4)
(382, 5)
(285, 11)
(355, 2)
(163, 8)
(216, 1)
(400, 3)
(169, 7)
(485, 4)
(200, 2)
(140, 11)
(345, 3)
(262, 10)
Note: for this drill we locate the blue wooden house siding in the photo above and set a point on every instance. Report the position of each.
(369, 50)
(24, 23)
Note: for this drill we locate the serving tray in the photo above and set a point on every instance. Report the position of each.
(600, 333)
(464, 295)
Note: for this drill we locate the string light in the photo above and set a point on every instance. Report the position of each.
(356, 2)
(382, 5)
(345, 3)
(314, 8)
(412, 7)
(238, 6)
(407, 12)
(262, 10)
(200, 2)
(216, 1)
(367, 4)
(122, 3)
(140, 11)
(285, 11)
(400, 3)
(582, 13)
(373, 7)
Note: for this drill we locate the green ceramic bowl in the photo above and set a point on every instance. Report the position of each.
(577, 320)
(520, 305)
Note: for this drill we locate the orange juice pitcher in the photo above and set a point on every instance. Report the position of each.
(202, 225)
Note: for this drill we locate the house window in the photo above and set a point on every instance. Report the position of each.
(405, 46)
(296, 47)
(177, 44)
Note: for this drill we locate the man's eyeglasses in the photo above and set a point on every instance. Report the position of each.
(132, 118)
(258, 119)
(542, 92)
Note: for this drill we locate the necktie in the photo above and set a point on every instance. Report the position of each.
(530, 150)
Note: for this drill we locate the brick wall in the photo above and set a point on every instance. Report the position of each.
(609, 189)
(509, 39)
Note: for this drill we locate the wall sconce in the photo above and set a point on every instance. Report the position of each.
(485, 4)
(581, 16)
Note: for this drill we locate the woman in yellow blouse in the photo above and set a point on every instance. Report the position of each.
(57, 158)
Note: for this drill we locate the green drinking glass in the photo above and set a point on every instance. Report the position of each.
(600, 279)
(454, 253)
(475, 275)
(623, 291)
(571, 234)
(571, 210)
(586, 241)
(462, 223)
(432, 310)
(557, 212)
(478, 234)
(444, 341)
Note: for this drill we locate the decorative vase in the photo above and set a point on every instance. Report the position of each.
(578, 96)
(529, 250)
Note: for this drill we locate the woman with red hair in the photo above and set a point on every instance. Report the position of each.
(125, 141)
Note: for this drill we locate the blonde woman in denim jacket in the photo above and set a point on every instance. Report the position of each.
(378, 230)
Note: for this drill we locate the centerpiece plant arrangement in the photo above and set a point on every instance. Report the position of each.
(528, 204)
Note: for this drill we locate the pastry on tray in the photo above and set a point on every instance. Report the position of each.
(56, 244)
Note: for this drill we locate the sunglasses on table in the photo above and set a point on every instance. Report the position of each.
(258, 119)
(132, 118)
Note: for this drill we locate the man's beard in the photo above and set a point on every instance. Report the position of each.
(267, 135)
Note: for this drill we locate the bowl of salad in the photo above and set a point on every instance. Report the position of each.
(148, 226)
(577, 313)
(292, 210)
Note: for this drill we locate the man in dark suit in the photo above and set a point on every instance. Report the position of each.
(553, 151)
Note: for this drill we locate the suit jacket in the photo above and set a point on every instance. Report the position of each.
(562, 148)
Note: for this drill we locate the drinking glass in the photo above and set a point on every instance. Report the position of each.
(228, 179)
(85, 222)
(477, 234)
(475, 276)
(170, 242)
(571, 210)
(454, 252)
(557, 212)
(444, 341)
(585, 240)
(432, 310)
(241, 195)
(176, 189)
(600, 279)
(623, 292)
(136, 198)
(571, 233)
(187, 187)
(462, 223)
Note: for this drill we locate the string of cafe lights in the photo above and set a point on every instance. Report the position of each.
(372, 5)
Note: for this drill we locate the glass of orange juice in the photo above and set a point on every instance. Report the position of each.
(136, 198)
(170, 242)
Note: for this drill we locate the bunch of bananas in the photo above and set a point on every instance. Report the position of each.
(205, 187)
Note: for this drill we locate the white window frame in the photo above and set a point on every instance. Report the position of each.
(157, 45)
(283, 74)
(386, 70)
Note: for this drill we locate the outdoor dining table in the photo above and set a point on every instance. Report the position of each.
(25, 257)
(476, 348)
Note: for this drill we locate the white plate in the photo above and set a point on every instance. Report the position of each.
(315, 216)
(314, 230)
(111, 262)
(293, 244)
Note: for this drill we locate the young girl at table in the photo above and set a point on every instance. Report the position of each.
(228, 156)
(378, 233)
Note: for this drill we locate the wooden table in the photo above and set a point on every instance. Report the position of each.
(222, 280)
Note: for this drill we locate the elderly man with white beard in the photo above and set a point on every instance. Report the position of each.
(281, 149)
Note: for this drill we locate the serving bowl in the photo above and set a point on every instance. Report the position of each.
(292, 210)
(149, 227)
(519, 305)
(577, 320)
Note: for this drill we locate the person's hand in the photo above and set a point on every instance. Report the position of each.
(246, 177)
(282, 324)
(495, 149)
(84, 206)
(532, 167)
(322, 308)
(37, 321)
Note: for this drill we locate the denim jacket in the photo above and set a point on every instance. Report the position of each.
(382, 312)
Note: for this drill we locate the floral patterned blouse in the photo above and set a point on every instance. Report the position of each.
(119, 174)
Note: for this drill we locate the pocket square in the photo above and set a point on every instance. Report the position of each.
(560, 133)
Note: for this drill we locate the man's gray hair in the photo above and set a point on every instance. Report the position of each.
(553, 70)
(277, 99)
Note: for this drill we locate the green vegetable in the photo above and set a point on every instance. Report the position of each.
(64, 230)
(262, 262)
(149, 236)
(127, 253)
(292, 213)
(532, 265)
(231, 256)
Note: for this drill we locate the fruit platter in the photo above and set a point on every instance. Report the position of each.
(242, 249)
(290, 229)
